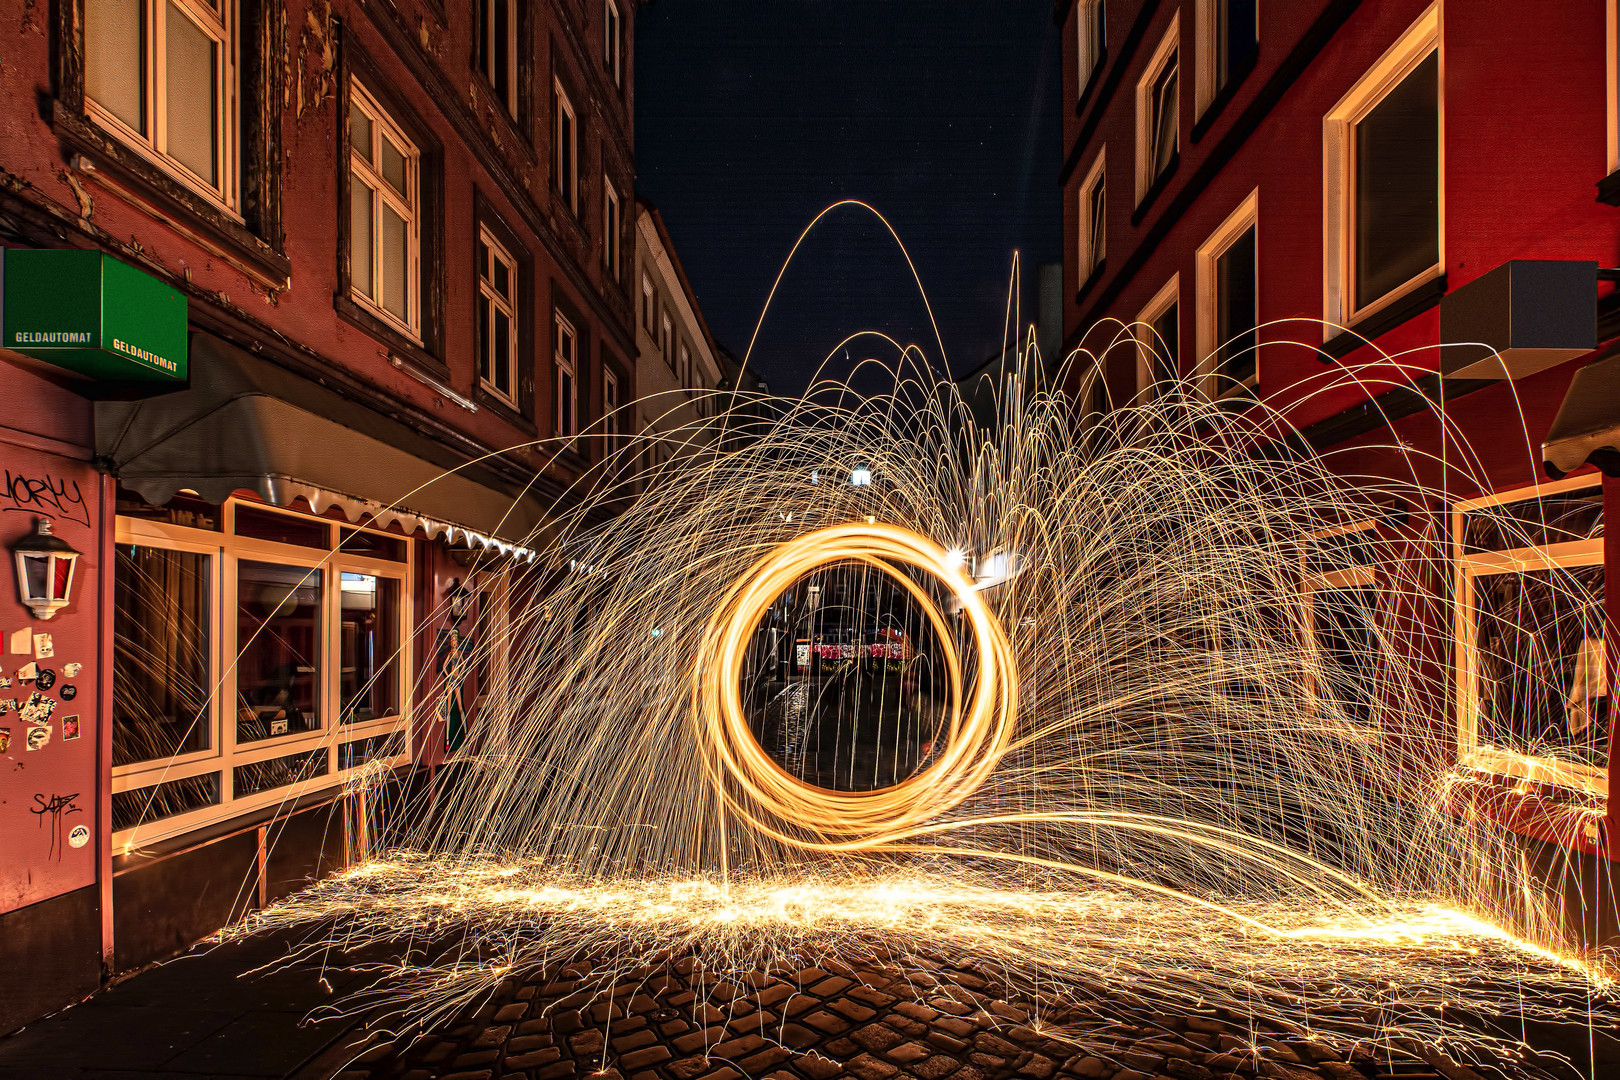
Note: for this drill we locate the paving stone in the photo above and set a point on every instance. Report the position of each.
(634, 1040)
(956, 1025)
(586, 1043)
(479, 1074)
(522, 1044)
(511, 1012)
(876, 1037)
(771, 995)
(940, 1065)
(852, 1009)
(534, 1059)
(492, 1036)
(947, 1042)
(875, 998)
(1038, 1066)
(1339, 1070)
(841, 1047)
(756, 1064)
(480, 1057)
(798, 1036)
(557, 1071)
(1142, 1060)
(868, 1067)
(907, 1052)
(1132, 1074)
(688, 1067)
(1087, 1066)
(826, 1021)
(736, 1048)
(724, 1072)
(916, 1011)
(818, 1067)
(698, 1040)
(651, 1055)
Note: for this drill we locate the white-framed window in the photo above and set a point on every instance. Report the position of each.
(161, 75)
(1228, 302)
(1532, 670)
(683, 369)
(612, 240)
(565, 378)
(649, 301)
(1158, 111)
(258, 656)
(384, 222)
(565, 151)
(612, 421)
(497, 318)
(1093, 398)
(666, 342)
(495, 52)
(1384, 213)
(1094, 216)
(1228, 38)
(1343, 633)
(613, 41)
(1091, 29)
(1158, 340)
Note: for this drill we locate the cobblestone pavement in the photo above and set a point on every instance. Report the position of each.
(834, 1021)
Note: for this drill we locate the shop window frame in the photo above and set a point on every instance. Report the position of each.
(226, 551)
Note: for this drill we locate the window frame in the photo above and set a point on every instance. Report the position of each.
(1209, 85)
(1355, 577)
(565, 186)
(561, 326)
(512, 306)
(613, 42)
(612, 405)
(1093, 245)
(1146, 346)
(226, 551)
(1091, 36)
(484, 48)
(683, 368)
(649, 301)
(383, 126)
(612, 228)
(1245, 217)
(1410, 50)
(1467, 568)
(1168, 51)
(666, 340)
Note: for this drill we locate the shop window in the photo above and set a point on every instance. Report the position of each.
(281, 772)
(612, 228)
(1228, 39)
(278, 664)
(185, 510)
(1158, 341)
(371, 544)
(369, 642)
(384, 226)
(565, 149)
(495, 53)
(565, 378)
(1093, 218)
(161, 75)
(1343, 638)
(1532, 673)
(1158, 109)
(1382, 146)
(282, 528)
(1091, 28)
(613, 42)
(497, 318)
(162, 653)
(1228, 303)
(169, 799)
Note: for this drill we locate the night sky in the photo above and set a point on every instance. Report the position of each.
(754, 115)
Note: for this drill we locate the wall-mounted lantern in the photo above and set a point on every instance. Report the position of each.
(45, 565)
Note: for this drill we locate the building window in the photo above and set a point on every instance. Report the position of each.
(495, 53)
(1532, 681)
(666, 343)
(647, 303)
(1158, 341)
(611, 229)
(565, 381)
(1228, 303)
(1093, 218)
(684, 370)
(613, 42)
(384, 226)
(1091, 25)
(610, 402)
(497, 318)
(1158, 119)
(162, 76)
(219, 712)
(565, 154)
(1342, 635)
(1228, 39)
(1383, 160)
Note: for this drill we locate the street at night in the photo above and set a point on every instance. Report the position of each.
(708, 540)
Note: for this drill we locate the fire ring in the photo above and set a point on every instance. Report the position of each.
(978, 725)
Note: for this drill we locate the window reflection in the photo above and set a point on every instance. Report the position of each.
(161, 639)
(278, 627)
(370, 633)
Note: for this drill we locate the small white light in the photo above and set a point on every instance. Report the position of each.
(860, 476)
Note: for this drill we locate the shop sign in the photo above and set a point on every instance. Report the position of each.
(89, 313)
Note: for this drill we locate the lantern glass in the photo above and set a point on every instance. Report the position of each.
(36, 572)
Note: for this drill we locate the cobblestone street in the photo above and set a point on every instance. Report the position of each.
(835, 1021)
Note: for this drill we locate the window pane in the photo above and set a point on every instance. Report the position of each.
(1165, 117)
(162, 682)
(1235, 309)
(1236, 39)
(165, 800)
(191, 95)
(393, 167)
(278, 640)
(1345, 625)
(1551, 519)
(501, 356)
(360, 239)
(377, 748)
(115, 58)
(565, 402)
(503, 279)
(395, 260)
(484, 364)
(359, 131)
(1397, 213)
(186, 510)
(264, 524)
(1099, 230)
(278, 772)
(1168, 329)
(370, 646)
(1540, 666)
(501, 77)
(372, 545)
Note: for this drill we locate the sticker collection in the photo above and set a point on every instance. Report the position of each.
(32, 683)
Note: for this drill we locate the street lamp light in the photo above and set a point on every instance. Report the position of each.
(45, 565)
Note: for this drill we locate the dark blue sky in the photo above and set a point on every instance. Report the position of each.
(754, 115)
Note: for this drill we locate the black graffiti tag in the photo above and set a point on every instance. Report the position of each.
(58, 806)
(44, 495)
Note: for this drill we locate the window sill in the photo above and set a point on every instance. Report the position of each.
(1418, 299)
(1091, 82)
(1608, 189)
(499, 406)
(398, 344)
(130, 175)
(1234, 81)
(1160, 182)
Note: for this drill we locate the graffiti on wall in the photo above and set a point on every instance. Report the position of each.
(44, 494)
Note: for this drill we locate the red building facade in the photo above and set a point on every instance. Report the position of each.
(1273, 193)
(401, 233)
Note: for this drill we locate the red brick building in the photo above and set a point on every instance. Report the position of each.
(1231, 165)
(398, 235)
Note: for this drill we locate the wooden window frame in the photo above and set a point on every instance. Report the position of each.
(227, 551)
(562, 326)
(1167, 52)
(612, 404)
(1093, 241)
(1354, 577)
(1207, 45)
(613, 41)
(1146, 345)
(484, 48)
(511, 306)
(1467, 568)
(384, 126)
(649, 301)
(666, 339)
(1240, 221)
(612, 228)
(566, 186)
(1413, 47)
(1091, 41)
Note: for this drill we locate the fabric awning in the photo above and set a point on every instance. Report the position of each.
(246, 423)
(1587, 429)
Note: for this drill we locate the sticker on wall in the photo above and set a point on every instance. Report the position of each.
(27, 672)
(68, 691)
(5, 683)
(79, 836)
(38, 709)
(9, 704)
(70, 728)
(45, 679)
(38, 737)
(22, 641)
(43, 648)
(71, 671)
(5, 739)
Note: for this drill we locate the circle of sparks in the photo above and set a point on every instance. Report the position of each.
(977, 729)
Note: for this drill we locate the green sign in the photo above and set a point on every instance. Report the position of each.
(89, 313)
